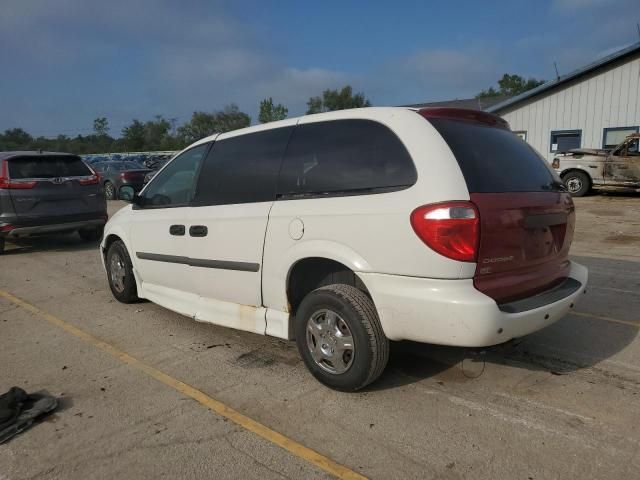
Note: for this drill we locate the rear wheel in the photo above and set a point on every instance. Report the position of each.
(91, 234)
(120, 273)
(577, 183)
(109, 191)
(340, 338)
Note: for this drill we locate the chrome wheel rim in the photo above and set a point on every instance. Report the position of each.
(330, 342)
(117, 272)
(109, 190)
(574, 184)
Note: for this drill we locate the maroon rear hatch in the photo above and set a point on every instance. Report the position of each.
(524, 243)
(526, 218)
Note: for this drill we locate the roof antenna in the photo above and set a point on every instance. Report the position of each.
(557, 74)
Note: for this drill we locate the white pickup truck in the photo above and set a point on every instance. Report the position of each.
(582, 169)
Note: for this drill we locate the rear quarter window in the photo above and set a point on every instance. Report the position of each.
(47, 167)
(495, 160)
(344, 157)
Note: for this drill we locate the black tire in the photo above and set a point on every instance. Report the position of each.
(577, 183)
(91, 234)
(127, 292)
(370, 346)
(1, 246)
(110, 191)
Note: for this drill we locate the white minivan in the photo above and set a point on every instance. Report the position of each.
(345, 230)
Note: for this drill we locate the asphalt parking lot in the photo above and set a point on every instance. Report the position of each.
(147, 393)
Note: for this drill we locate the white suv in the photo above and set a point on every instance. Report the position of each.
(345, 230)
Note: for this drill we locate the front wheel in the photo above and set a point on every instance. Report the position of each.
(577, 183)
(120, 273)
(340, 338)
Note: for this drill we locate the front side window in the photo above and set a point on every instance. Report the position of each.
(344, 156)
(612, 137)
(175, 184)
(564, 140)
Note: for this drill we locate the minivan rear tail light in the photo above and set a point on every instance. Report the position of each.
(452, 229)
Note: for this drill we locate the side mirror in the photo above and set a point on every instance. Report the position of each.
(126, 193)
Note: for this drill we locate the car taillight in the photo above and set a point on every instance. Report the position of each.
(555, 163)
(452, 229)
(7, 227)
(7, 183)
(92, 180)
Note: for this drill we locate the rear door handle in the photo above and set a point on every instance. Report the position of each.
(198, 231)
(177, 230)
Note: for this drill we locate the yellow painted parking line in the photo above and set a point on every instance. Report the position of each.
(606, 319)
(217, 406)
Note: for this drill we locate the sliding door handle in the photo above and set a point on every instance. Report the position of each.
(198, 231)
(177, 230)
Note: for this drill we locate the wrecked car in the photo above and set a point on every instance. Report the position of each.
(582, 169)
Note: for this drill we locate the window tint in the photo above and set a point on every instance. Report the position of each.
(175, 184)
(47, 167)
(495, 160)
(344, 156)
(243, 169)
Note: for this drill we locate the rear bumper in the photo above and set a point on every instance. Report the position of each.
(453, 312)
(54, 228)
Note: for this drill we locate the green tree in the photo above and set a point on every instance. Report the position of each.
(510, 85)
(101, 127)
(15, 139)
(203, 124)
(156, 132)
(133, 136)
(270, 112)
(231, 118)
(337, 100)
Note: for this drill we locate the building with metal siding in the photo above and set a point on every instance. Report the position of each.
(593, 107)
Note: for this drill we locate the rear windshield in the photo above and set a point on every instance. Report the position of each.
(495, 160)
(44, 166)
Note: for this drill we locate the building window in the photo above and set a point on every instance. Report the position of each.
(522, 134)
(612, 137)
(565, 140)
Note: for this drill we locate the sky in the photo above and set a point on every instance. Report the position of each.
(65, 62)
